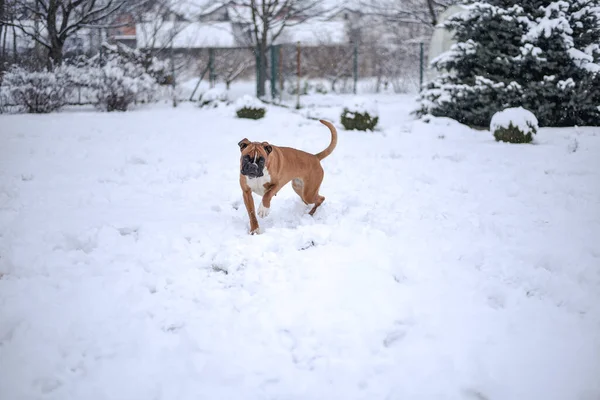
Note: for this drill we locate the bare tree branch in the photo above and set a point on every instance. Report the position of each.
(61, 19)
(406, 11)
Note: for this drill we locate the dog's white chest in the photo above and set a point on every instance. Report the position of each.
(258, 184)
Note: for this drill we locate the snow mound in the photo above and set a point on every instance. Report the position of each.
(361, 105)
(519, 117)
(247, 101)
(215, 94)
(213, 97)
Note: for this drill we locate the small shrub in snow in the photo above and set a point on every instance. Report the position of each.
(213, 97)
(37, 92)
(118, 83)
(360, 114)
(249, 107)
(514, 125)
(142, 58)
(321, 88)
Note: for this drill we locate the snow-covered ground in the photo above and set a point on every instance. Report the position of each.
(442, 265)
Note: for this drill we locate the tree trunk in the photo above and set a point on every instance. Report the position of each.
(4, 53)
(56, 43)
(15, 57)
(55, 55)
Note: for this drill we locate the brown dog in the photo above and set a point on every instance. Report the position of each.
(265, 169)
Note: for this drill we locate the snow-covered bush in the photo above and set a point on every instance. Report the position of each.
(514, 125)
(143, 58)
(37, 92)
(321, 88)
(213, 98)
(249, 107)
(115, 80)
(119, 84)
(360, 114)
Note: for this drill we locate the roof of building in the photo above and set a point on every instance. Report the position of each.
(223, 34)
(315, 32)
(186, 35)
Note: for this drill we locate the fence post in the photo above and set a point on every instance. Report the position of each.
(173, 60)
(421, 66)
(211, 67)
(273, 71)
(355, 65)
(280, 72)
(298, 76)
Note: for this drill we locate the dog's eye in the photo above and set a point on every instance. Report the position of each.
(246, 158)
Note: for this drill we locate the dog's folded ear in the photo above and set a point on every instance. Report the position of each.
(268, 148)
(243, 143)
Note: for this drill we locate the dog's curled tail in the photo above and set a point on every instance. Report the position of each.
(333, 143)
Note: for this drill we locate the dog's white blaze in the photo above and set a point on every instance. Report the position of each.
(258, 184)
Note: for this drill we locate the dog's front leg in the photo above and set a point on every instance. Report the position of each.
(249, 202)
(265, 204)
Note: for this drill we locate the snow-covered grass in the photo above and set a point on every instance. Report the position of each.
(442, 265)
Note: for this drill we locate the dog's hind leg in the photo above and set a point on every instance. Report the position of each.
(298, 186)
(319, 201)
(310, 191)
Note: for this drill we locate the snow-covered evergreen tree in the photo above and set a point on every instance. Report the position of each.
(540, 55)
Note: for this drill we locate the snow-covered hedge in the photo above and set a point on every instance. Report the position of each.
(213, 97)
(118, 84)
(360, 114)
(37, 92)
(141, 58)
(112, 81)
(514, 125)
(250, 107)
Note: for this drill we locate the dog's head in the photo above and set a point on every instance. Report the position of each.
(254, 157)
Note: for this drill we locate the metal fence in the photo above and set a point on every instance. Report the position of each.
(291, 69)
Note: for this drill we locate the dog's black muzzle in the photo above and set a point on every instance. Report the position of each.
(253, 168)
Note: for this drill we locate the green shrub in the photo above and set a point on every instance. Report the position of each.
(359, 121)
(251, 113)
(249, 107)
(512, 134)
(514, 125)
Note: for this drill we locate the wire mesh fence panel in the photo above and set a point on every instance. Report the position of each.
(337, 69)
(293, 68)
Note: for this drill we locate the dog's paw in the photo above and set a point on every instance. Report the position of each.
(263, 211)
